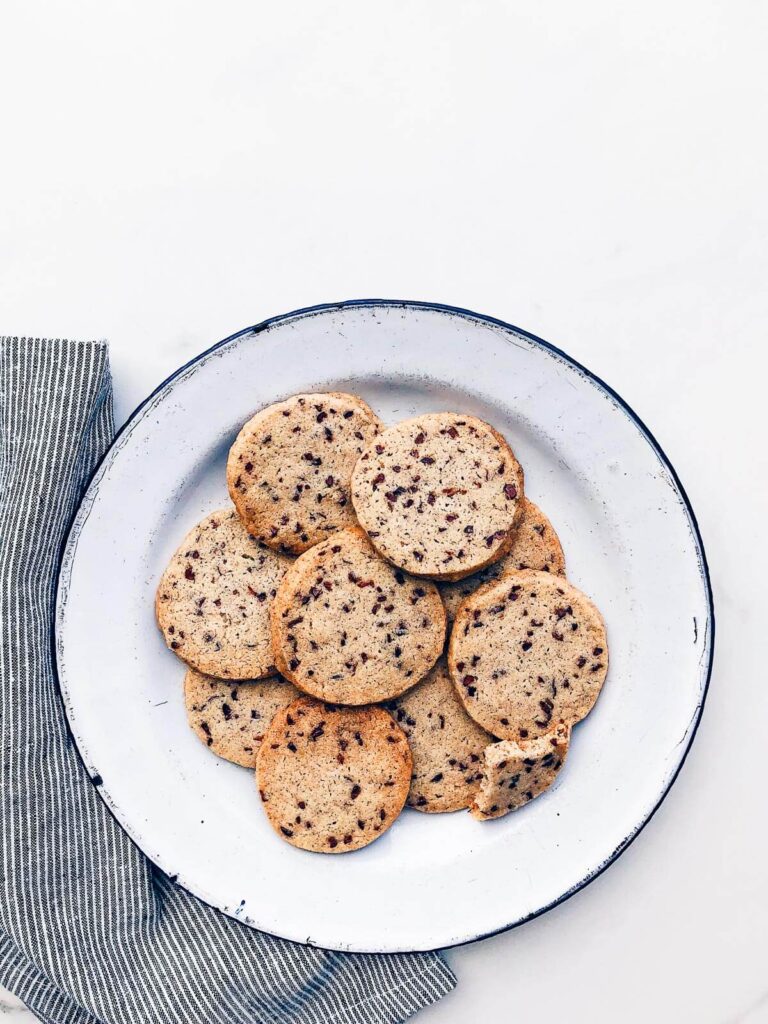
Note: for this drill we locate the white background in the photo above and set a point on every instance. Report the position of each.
(596, 173)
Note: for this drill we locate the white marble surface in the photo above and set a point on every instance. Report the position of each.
(12, 1009)
(592, 172)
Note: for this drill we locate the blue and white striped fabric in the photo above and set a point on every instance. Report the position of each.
(89, 929)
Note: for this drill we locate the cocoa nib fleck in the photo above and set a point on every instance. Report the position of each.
(286, 831)
(437, 778)
(189, 573)
(355, 793)
(318, 731)
(494, 537)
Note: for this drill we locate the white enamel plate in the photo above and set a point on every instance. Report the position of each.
(631, 543)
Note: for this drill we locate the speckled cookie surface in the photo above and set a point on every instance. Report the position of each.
(213, 600)
(446, 744)
(439, 495)
(289, 470)
(332, 779)
(535, 546)
(527, 653)
(231, 717)
(514, 773)
(350, 628)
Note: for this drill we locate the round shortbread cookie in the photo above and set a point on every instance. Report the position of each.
(527, 653)
(439, 495)
(446, 744)
(332, 779)
(514, 773)
(289, 470)
(350, 628)
(213, 600)
(231, 717)
(536, 546)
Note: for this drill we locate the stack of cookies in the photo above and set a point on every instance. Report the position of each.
(382, 619)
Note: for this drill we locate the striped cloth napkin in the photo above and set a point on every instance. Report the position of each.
(89, 929)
